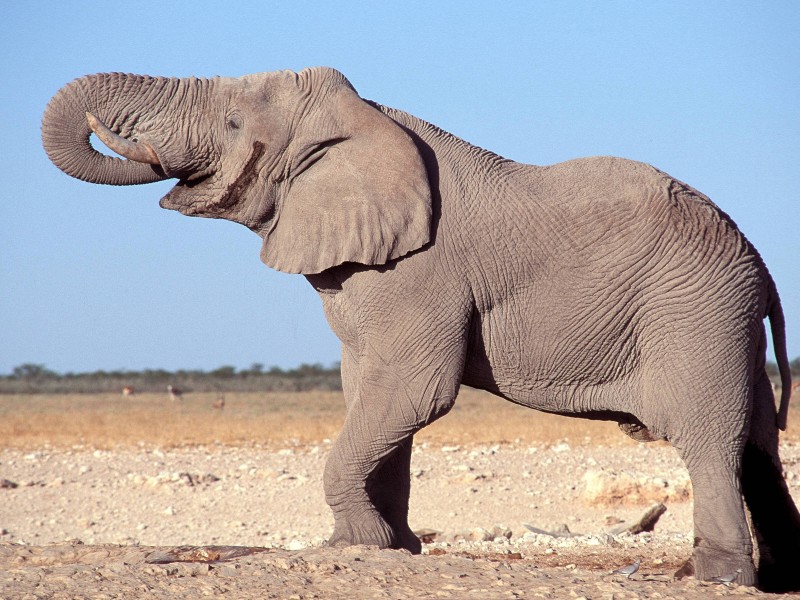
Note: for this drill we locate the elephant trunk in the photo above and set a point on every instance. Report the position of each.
(119, 102)
(139, 152)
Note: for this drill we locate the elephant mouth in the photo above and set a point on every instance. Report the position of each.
(193, 195)
(205, 193)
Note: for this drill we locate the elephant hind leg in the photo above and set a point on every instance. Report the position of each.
(722, 543)
(774, 516)
(775, 520)
(707, 426)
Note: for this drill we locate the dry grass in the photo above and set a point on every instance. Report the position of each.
(479, 417)
(273, 419)
(112, 420)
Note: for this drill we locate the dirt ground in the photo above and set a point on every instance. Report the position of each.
(112, 508)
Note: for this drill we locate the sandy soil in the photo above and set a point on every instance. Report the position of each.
(111, 523)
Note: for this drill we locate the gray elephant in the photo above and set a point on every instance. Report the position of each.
(599, 288)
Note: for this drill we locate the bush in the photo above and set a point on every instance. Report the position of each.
(37, 379)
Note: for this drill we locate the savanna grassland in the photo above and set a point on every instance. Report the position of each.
(274, 418)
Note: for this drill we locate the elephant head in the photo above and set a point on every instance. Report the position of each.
(321, 175)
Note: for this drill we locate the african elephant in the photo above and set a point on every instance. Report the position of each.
(600, 287)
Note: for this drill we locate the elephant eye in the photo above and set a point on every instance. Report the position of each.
(234, 122)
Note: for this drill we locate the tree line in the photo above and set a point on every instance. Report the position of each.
(774, 374)
(38, 379)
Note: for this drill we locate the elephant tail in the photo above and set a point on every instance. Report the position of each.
(777, 325)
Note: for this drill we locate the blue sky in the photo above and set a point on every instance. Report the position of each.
(95, 277)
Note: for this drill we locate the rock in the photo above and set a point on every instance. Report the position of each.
(477, 534)
(501, 531)
(646, 522)
(295, 545)
(427, 536)
(469, 477)
(609, 488)
(562, 531)
(225, 571)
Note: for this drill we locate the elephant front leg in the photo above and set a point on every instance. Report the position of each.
(357, 520)
(401, 370)
(389, 490)
(367, 477)
(375, 511)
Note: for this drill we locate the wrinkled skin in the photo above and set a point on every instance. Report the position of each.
(598, 287)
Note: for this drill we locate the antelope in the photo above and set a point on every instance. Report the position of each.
(174, 393)
(219, 403)
(128, 390)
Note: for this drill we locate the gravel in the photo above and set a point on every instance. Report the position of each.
(88, 523)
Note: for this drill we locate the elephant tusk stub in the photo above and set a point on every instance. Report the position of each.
(136, 151)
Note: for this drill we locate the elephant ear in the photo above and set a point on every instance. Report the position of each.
(359, 191)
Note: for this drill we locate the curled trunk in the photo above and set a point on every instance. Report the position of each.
(119, 101)
(131, 150)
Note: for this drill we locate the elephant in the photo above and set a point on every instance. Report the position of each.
(599, 287)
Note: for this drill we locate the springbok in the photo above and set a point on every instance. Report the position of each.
(128, 390)
(219, 403)
(174, 393)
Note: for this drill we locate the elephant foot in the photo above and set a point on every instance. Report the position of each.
(707, 564)
(780, 576)
(408, 540)
(371, 529)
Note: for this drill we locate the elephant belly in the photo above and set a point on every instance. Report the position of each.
(559, 350)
